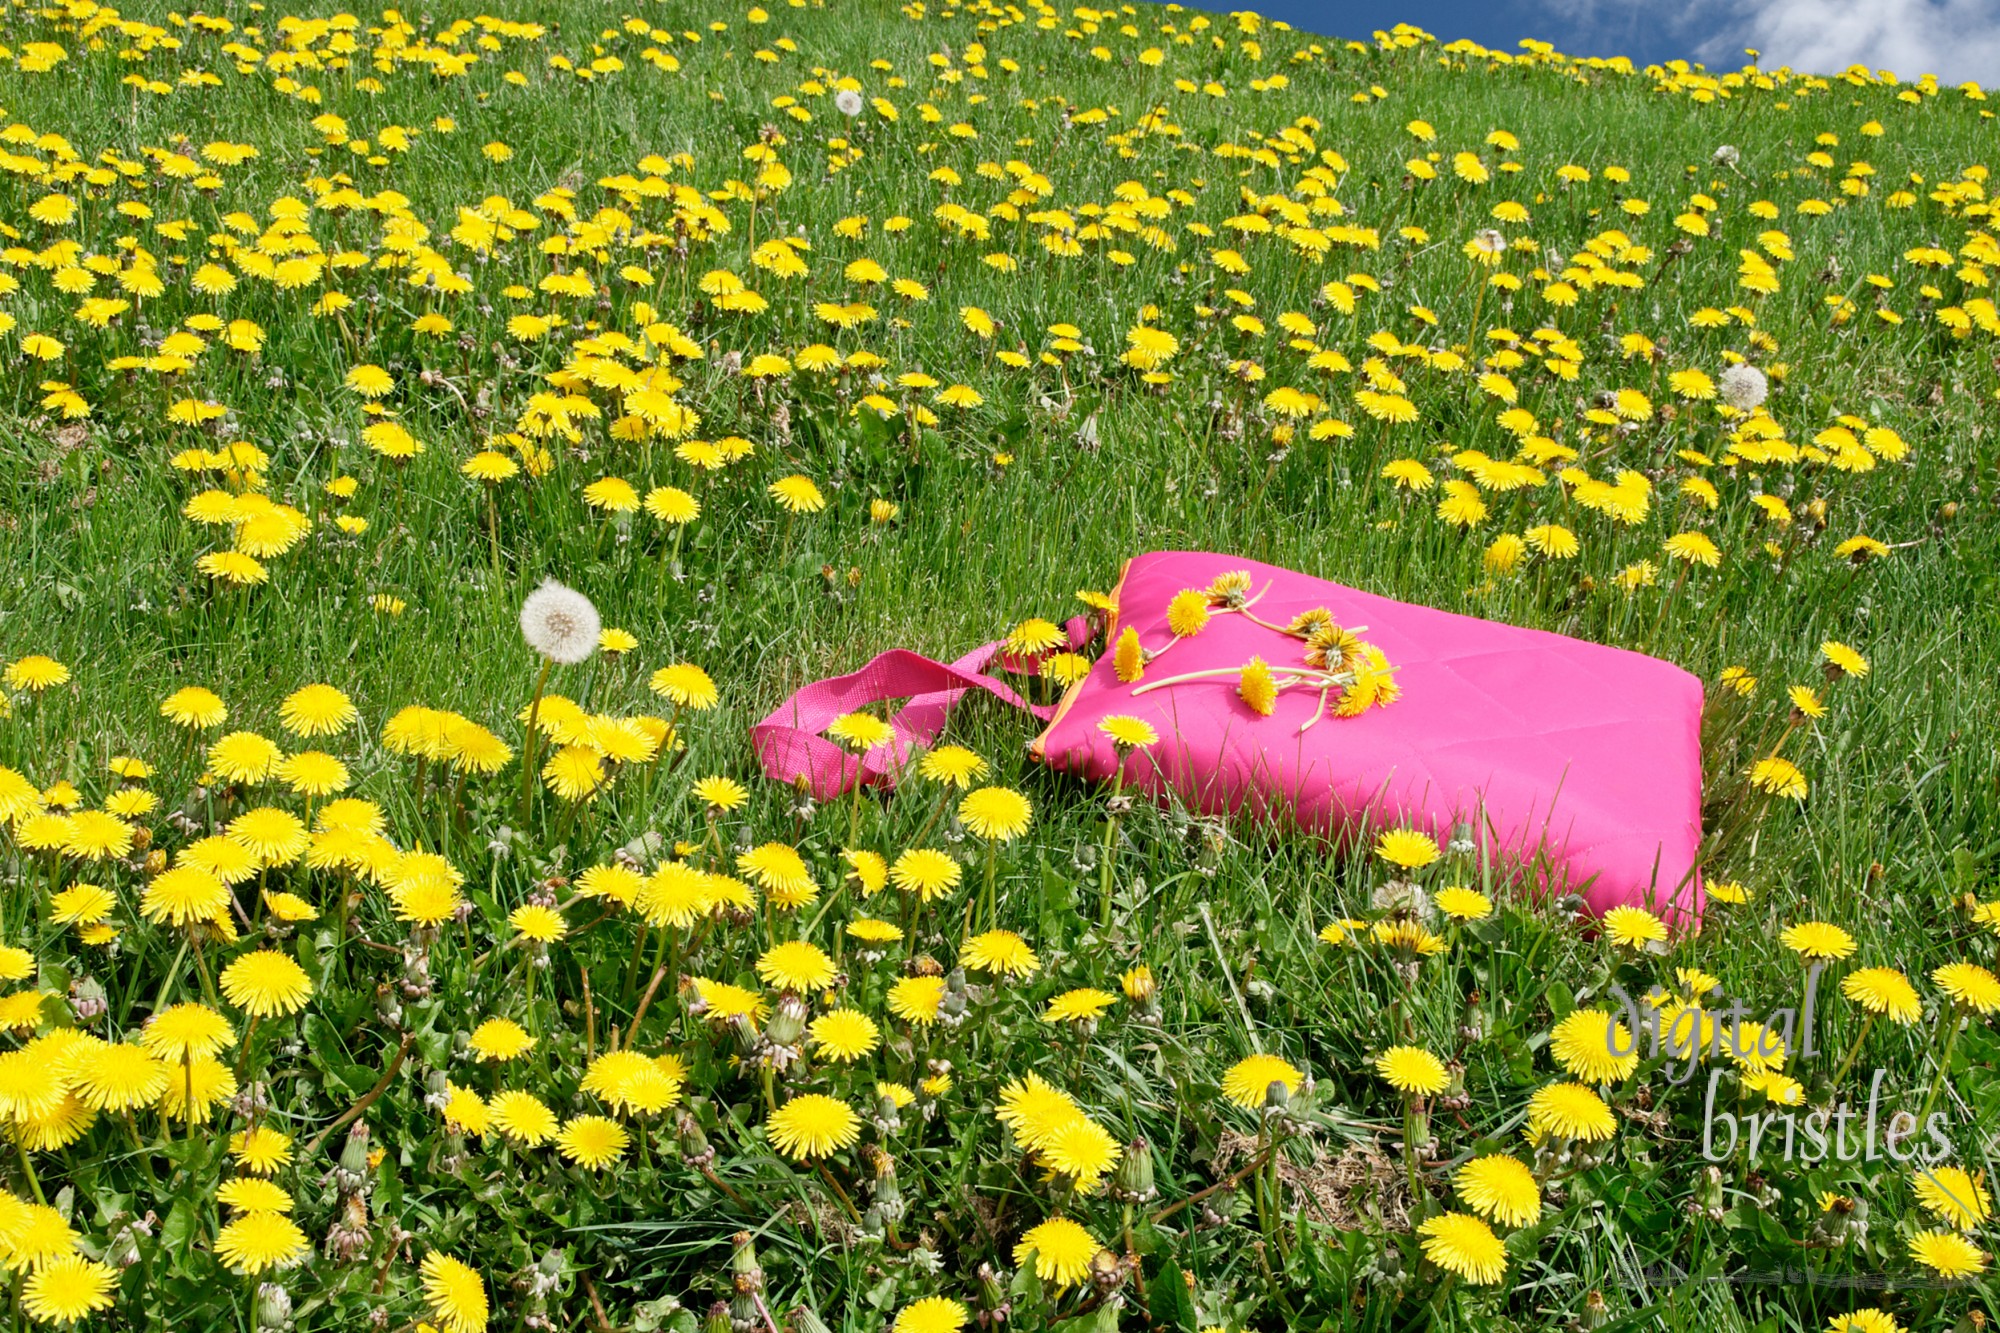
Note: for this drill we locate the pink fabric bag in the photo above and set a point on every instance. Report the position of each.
(1577, 765)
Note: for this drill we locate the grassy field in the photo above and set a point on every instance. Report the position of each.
(328, 337)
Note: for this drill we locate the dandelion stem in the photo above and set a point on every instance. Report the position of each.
(1110, 841)
(992, 867)
(1950, 1016)
(145, 1154)
(528, 740)
(645, 1002)
(1288, 676)
(630, 987)
(28, 1170)
(243, 1057)
(1229, 1181)
(1846, 1061)
(845, 1202)
(708, 1174)
(368, 1098)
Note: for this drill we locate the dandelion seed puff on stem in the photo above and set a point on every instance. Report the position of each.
(562, 625)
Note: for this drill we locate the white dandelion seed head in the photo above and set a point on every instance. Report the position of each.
(847, 102)
(1727, 155)
(560, 623)
(1743, 387)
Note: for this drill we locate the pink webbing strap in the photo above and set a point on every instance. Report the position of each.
(790, 746)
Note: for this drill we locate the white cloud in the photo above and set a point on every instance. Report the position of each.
(1953, 39)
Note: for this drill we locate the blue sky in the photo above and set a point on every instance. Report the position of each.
(1954, 39)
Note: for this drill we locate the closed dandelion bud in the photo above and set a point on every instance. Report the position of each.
(1133, 1182)
(992, 1296)
(156, 861)
(743, 1266)
(122, 1250)
(1276, 1098)
(1108, 1273)
(745, 1033)
(888, 1195)
(1454, 1097)
(274, 1308)
(804, 1320)
(695, 1147)
(1709, 1192)
(788, 1024)
(353, 1159)
(951, 1009)
(1595, 1313)
(1416, 1127)
(743, 1315)
(547, 1273)
(888, 1117)
(87, 999)
(718, 1319)
(1389, 1263)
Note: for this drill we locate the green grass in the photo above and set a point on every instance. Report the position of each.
(1901, 825)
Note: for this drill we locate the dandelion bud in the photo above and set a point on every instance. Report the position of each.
(87, 999)
(788, 1024)
(888, 1195)
(122, 1250)
(1133, 1182)
(1389, 1263)
(354, 1157)
(718, 1319)
(992, 1294)
(743, 1264)
(274, 1307)
(1142, 992)
(695, 1147)
(1708, 1193)
(951, 1010)
(1416, 1127)
(1595, 1314)
(888, 1116)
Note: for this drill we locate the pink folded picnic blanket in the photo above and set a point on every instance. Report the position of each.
(1577, 766)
